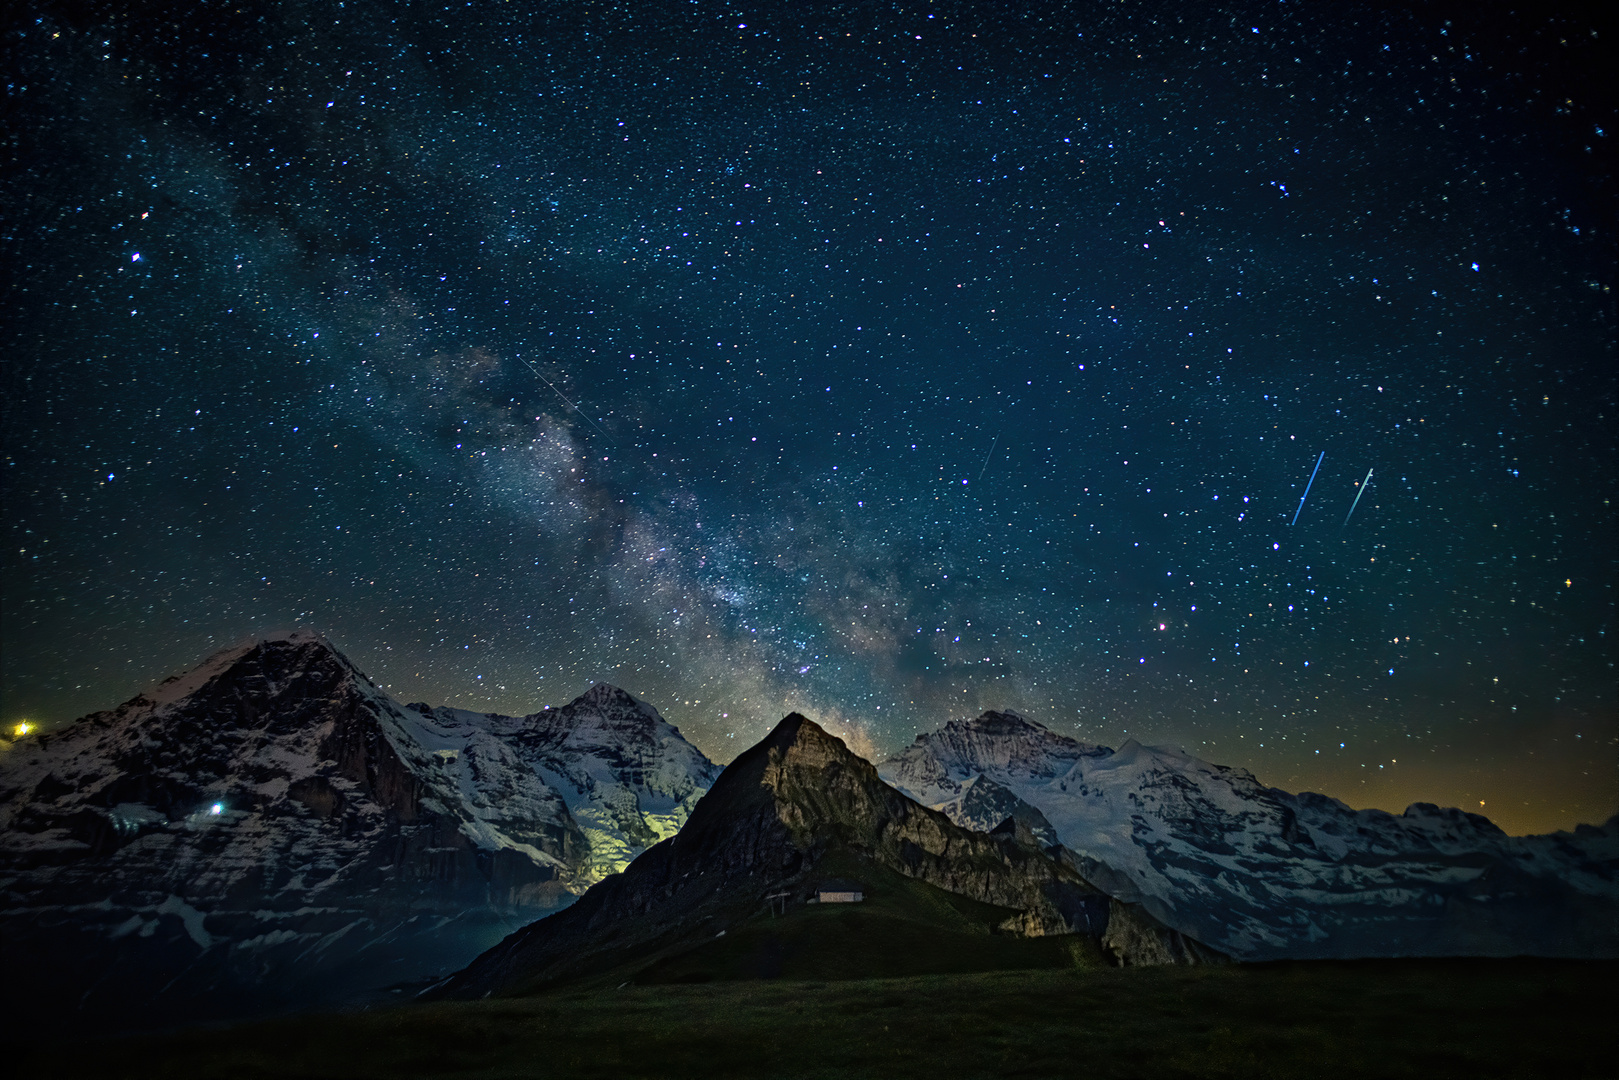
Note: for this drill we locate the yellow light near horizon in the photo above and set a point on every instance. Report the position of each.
(23, 728)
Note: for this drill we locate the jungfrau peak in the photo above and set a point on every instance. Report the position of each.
(1259, 872)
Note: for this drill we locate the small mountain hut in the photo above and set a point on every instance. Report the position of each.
(839, 891)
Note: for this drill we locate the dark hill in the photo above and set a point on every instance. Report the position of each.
(792, 810)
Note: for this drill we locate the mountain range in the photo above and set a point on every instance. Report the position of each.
(791, 813)
(1261, 873)
(272, 830)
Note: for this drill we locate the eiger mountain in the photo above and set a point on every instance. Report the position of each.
(791, 812)
(1261, 873)
(272, 829)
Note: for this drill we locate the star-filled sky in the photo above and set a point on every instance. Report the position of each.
(889, 362)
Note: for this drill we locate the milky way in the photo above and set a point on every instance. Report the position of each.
(888, 363)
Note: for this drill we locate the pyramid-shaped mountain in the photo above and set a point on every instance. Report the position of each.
(790, 814)
(273, 830)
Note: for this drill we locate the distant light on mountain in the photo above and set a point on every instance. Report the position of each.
(271, 829)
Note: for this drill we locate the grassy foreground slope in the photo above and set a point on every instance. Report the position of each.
(1390, 1018)
(903, 928)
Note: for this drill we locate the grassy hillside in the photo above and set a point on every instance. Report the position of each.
(903, 927)
(1406, 1018)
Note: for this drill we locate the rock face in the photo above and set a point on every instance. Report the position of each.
(777, 812)
(271, 830)
(983, 805)
(1261, 873)
(625, 777)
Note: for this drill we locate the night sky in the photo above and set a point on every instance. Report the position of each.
(886, 362)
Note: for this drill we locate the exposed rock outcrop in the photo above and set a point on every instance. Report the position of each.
(273, 830)
(774, 814)
(1137, 939)
(1262, 873)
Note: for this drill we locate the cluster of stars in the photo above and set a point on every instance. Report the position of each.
(889, 366)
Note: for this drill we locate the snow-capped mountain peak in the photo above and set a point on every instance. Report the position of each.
(999, 742)
(275, 810)
(1260, 872)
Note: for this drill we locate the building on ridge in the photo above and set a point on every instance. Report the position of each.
(840, 891)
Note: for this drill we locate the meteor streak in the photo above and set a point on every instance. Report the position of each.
(1358, 494)
(1306, 494)
(571, 405)
(989, 455)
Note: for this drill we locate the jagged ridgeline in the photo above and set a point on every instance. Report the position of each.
(273, 830)
(734, 894)
(1265, 874)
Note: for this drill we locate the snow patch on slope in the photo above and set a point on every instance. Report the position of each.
(1257, 871)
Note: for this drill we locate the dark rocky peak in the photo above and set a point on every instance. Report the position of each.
(1609, 828)
(1451, 819)
(828, 797)
(602, 713)
(607, 696)
(1007, 724)
(265, 685)
(309, 644)
(1018, 832)
(811, 782)
(266, 667)
(805, 743)
(999, 742)
(822, 788)
(741, 799)
(787, 805)
(1009, 728)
